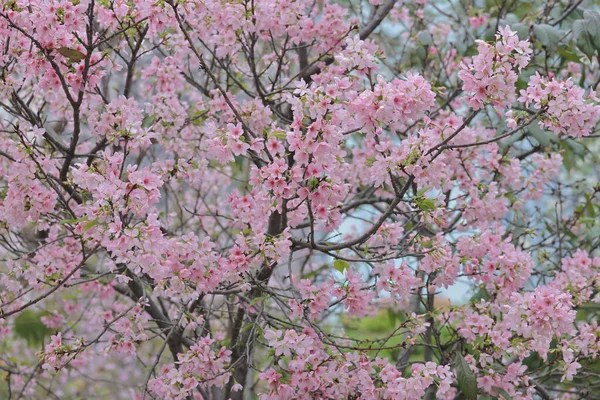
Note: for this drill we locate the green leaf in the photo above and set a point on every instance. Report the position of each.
(72, 54)
(341, 265)
(578, 148)
(257, 300)
(521, 84)
(393, 317)
(578, 28)
(515, 137)
(570, 234)
(548, 35)
(471, 51)
(503, 393)
(584, 32)
(312, 274)
(489, 34)
(425, 38)
(533, 362)
(592, 23)
(278, 134)
(511, 197)
(421, 192)
(567, 157)
(467, 382)
(571, 149)
(522, 30)
(30, 327)
(590, 208)
(481, 294)
(421, 54)
(568, 55)
(544, 138)
(90, 224)
(425, 204)
(70, 221)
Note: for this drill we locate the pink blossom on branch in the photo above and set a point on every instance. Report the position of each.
(295, 200)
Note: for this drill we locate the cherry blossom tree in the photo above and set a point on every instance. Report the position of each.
(198, 199)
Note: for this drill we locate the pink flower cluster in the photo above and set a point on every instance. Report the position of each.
(567, 110)
(203, 364)
(121, 122)
(395, 104)
(56, 354)
(495, 262)
(400, 281)
(25, 199)
(163, 162)
(491, 76)
(340, 374)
